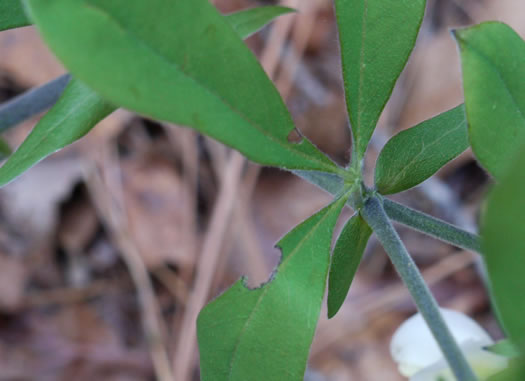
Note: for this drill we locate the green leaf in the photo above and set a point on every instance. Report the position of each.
(415, 154)
(503, 246)
(62, 129)
(12, 15)
(73, 116)
(346, 257)
(266, 333)
(249, 21)
(493, 62)
(514, 372)
(377, 37)
(181, 63)
(504, 348)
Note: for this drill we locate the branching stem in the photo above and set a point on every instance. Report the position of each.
(414, 219)
(432, 226)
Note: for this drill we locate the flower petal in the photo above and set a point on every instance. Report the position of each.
(414, 348)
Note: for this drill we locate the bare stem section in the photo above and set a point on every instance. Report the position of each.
(376, 217)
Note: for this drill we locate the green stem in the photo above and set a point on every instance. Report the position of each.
(376, 217)
(412, 218)
(31, 102)
(328, 182)
(432, 226)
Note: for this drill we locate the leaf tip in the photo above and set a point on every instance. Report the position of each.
(334, 301)
(289, 10)
(333, 308)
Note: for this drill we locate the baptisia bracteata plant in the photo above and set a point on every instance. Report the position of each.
(184, 62)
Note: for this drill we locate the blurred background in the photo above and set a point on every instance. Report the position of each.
(109, 248)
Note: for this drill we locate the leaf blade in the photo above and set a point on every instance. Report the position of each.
(514, 372)
(73, 116)
(493, 62)
(265, 334)
(12, 15)
(249, 21)
(372, 60)
(211, 82)
(504, 249)
(346, 257)
(38, 99)
(415, 154)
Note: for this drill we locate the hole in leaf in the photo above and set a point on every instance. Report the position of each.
(295, 136)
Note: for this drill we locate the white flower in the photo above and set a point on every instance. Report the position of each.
(418, 355)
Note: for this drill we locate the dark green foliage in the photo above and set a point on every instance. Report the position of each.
(414, 155)
(346, 257)
(493, 61)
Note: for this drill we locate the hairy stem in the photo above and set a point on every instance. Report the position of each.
(432, 226)
(412, 218)
(376, 217)
(31, 102)
(328, 182)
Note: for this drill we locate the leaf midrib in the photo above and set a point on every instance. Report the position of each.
(361, 78)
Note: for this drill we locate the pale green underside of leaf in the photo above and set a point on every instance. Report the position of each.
(12, 15)
(73, 116)
(346, 257)
(505, 348)
(493, 62)
(503, 235)
(377, 37)
(415, 154)
(266, 333)
(249, 21)
(177, 61)
(61, 126)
